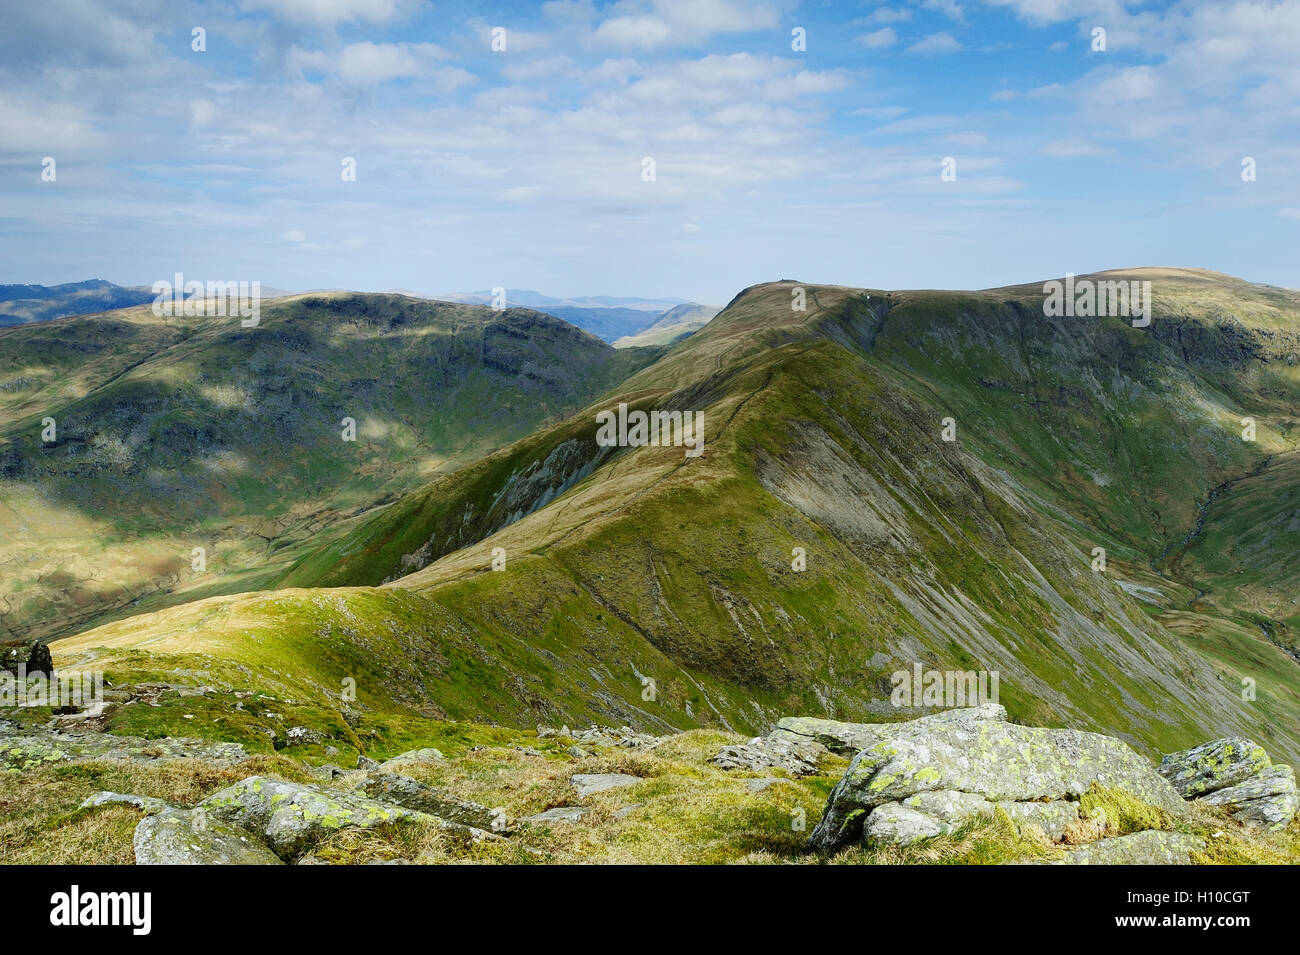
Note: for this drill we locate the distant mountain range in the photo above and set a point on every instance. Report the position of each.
(24, 304)
(625, 322)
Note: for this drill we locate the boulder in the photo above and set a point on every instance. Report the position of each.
(411, 794)
(29, 656)
(1237, 774)
(1001, 762)
(302, 736)
(558, 814)
(191, 837)
(1267, 799)
(1149, 847)
(849, 739)
(428, 755)
(588, 783)
(150, 805)
(797, 756)
(930, 814)
(291, 816)
(1215, 765)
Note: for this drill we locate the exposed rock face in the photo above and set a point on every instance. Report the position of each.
(1214, 765)
(939, 813)
(33, 747)
(588, 783)
(795, 755)
(410, 794)
(291, 816)
(1235, 773)
(1149, 847)
(995, 761)
(32, 655)
(848, 739)
(190, 837)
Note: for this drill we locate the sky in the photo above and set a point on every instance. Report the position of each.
(526, 167)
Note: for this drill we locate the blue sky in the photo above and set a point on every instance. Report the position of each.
(523, 168)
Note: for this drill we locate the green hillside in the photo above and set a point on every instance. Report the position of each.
(647, 587)
(176, 433)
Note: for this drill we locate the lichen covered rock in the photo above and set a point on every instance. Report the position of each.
(291, 816)
(412, 794)
(192, 837)
(1215, 765)
(1237, 774)
(1268, 799)
(931, 814)
(848, 739)
(998, 761)
(799, 757)
(1149, 847)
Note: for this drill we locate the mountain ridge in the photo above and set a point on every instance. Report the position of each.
(824, 433)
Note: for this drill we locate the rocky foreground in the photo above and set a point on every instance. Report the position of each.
(960, 785)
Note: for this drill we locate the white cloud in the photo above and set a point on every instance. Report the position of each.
(682, 22)
(890, 15)
(1072, 148)
(880, 38)
(644, 32)
(366, 64)
(327, 13)
(936, 43)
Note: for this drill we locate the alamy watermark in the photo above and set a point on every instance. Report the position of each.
(1107, 299)
(82, 689)
(946, 688)
(651, 429)
(195, 299)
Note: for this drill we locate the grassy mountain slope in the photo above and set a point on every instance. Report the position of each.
(671, 325)
(175, 433)
(627, 568)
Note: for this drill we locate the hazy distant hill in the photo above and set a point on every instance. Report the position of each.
(22, 304)
(615, 319)
(671, 325)
(25, 304)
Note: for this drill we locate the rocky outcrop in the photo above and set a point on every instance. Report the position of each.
(1149, 847)
(1268, 799)
(190, 837)
(292, 816)
(967, 764)
(939, 813)
(36, 746)
(410, 794)
(1214, 765)
(1237, 774)
(797, 756)
(848, 739)
(28, 656)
